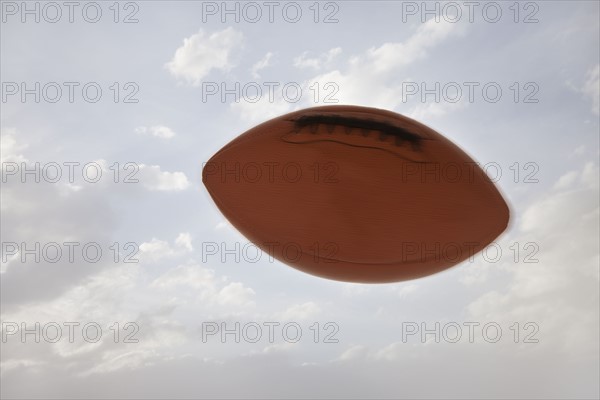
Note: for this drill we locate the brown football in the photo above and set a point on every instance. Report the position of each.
(356, 194)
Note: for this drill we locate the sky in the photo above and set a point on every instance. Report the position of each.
(120, 278)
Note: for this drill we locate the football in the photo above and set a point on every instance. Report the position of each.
(356, 194)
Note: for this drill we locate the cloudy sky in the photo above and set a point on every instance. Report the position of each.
(110, 109)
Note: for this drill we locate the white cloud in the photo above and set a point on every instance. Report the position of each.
(184, 240)
(9, 365)
(580, 150)
(579, 201)
(153, 178)
(209, 289)
(225, 224)
(236, 294)
(201, 53)
(406, 289)
(160, 131)
(261, 110)
(261, 64)
(390, 56)
(118, 360)
(279, 348)
(14, 259)
(591, 88)
(85, 174)
(156, 249)
(300, 311)
(100, 298)
(106, 298)
(9, 148)
(192, 276)
(372, 78)
(354, 352)
(425, 111)
(568, 179)
(559, 292)
(352, 289)
(475, 273)
(322, 61)
(42, 212)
